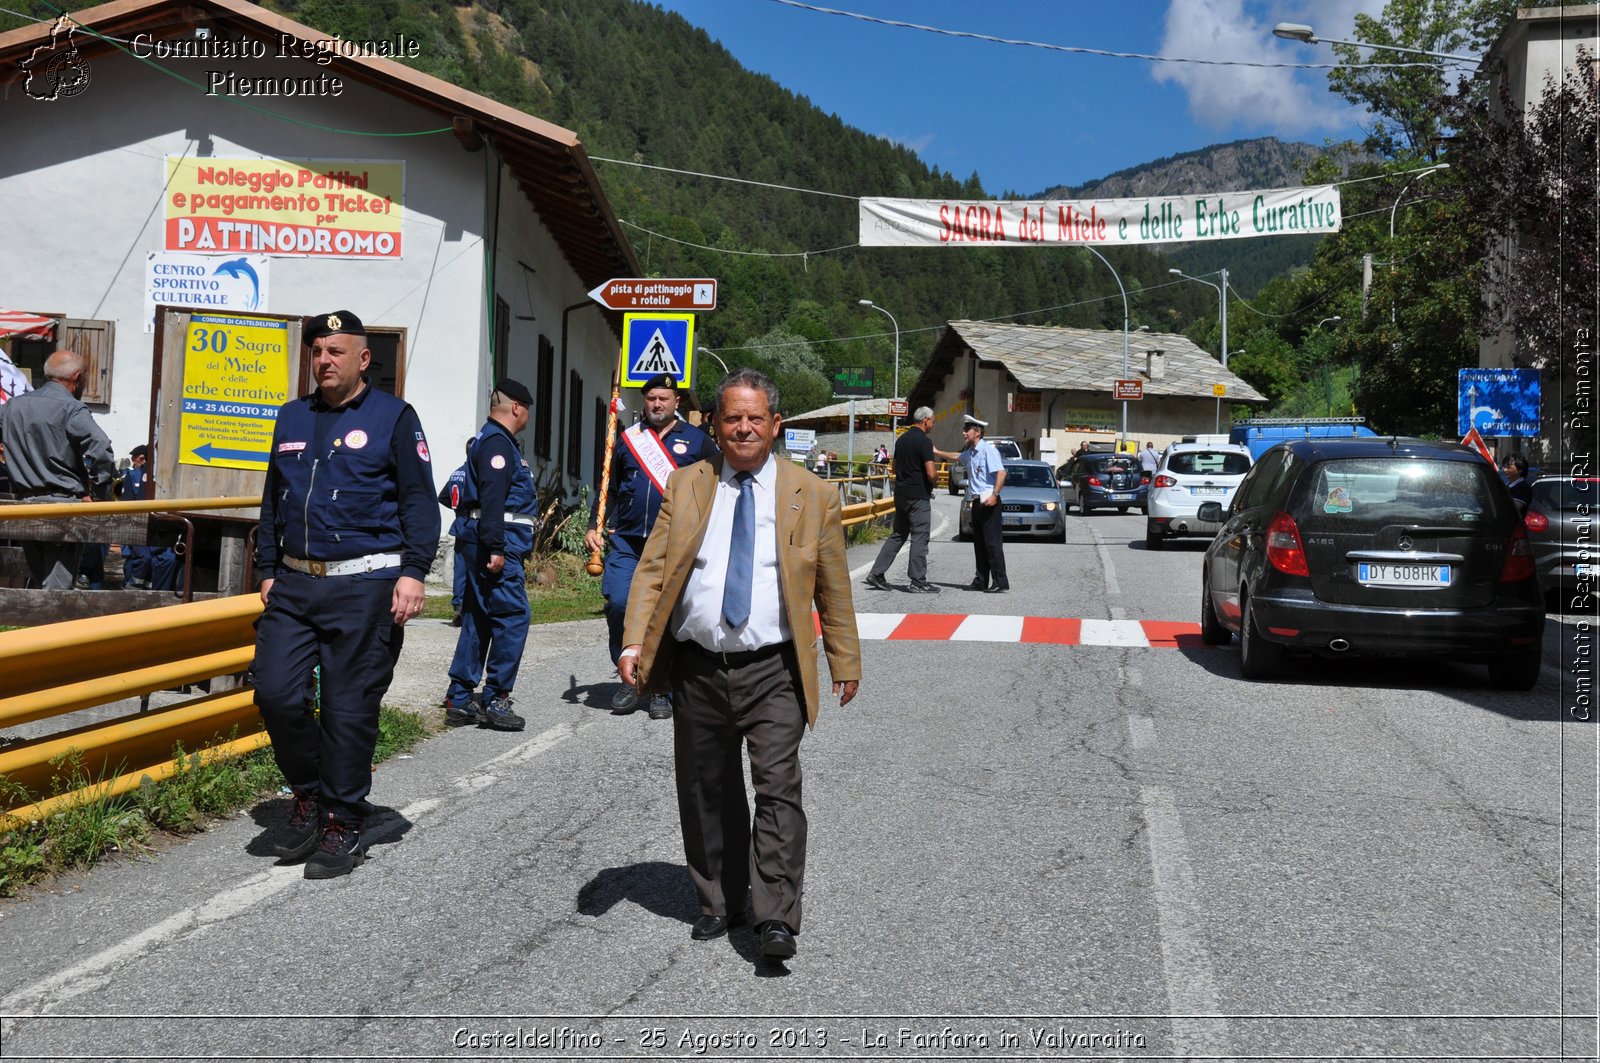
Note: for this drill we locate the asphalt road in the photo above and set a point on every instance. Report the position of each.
(1099, 845)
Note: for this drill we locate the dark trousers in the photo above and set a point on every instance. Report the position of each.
(988, 545)
(344, 624)
(615, 583)
(913, 518)
(494, 628)
(718, 710)
(52, 566)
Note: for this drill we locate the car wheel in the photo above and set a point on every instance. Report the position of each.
(1084, 509)
(1258, 658)
(1152, 539)
(1061, 535)
(1212, 633)
(1122, 509)
(1516, 671)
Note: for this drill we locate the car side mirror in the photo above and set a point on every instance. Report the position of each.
(1211, 512)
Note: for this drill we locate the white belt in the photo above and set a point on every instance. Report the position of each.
(529, 519)
(353, 566)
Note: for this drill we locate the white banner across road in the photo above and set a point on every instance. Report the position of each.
(1146, 220)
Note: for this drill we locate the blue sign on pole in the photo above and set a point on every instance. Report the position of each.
(1498, 402)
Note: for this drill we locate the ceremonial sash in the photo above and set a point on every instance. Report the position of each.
(652, 457)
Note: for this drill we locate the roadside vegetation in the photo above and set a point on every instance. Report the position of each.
(206, 787)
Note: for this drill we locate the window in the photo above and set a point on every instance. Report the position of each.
(543, 401)
(574, 424)
(501, 355)
(1209, 463)
(95, 340)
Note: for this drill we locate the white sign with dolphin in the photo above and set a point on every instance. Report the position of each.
(204, 282)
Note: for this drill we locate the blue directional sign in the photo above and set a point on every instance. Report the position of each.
(657, 343)
(1498, 402)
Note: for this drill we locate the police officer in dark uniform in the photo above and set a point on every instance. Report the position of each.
(349, 528)
(641, 460)
(499, 505)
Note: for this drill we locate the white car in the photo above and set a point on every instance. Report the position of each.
(1192, 473)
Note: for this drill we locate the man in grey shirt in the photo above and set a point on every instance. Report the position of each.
(55, 452)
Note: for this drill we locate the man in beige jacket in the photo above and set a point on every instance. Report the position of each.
(721, 614)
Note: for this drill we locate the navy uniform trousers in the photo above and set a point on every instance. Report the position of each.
(345, 624)
(494, 626)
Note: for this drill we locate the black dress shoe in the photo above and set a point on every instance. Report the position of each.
(877, 583)
(978, 585)
(714, 926)
(998, 588)
(777, 940)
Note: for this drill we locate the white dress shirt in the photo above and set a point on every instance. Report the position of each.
(698, 615)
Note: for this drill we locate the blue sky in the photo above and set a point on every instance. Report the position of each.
(1025, 118)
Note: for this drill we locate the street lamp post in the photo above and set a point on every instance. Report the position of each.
(1296, 31)
(1420, 175)
(1327, 374)
(894, 424)
(1222, 316)
(1124, 292)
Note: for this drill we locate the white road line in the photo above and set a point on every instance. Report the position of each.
(977, 628)
(1191, 980)
(1112, 633)
(95, 971)
(1141, 732)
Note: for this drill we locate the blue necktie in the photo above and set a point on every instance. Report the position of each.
(741, 555)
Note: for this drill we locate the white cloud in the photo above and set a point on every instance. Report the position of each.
(1288, 102)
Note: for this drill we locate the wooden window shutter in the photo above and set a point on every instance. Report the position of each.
(96, 341)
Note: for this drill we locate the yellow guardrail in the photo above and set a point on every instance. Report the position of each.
(60, 668)
(861, 512)
(46, 510)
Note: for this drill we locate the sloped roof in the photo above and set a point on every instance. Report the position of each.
(864, 408)
(549, 162)
(1070, 359)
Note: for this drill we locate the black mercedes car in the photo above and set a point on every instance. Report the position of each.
(1393, 547)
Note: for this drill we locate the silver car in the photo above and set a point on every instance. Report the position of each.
(1030, 503)
(1190, 474)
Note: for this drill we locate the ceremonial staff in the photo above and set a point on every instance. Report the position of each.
(596, 566)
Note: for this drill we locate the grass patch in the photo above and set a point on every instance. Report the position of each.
(558, 590)
(204, 787)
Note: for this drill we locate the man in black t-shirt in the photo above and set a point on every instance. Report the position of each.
(913, 506)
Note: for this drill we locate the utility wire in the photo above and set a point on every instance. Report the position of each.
(1090, 51)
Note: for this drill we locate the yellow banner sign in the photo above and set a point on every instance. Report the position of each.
(328, 208)
(235, 376)
(1088, 417)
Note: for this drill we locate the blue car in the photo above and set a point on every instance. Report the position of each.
(1103, 481)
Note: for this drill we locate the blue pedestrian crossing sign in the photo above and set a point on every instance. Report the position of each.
(657, 343)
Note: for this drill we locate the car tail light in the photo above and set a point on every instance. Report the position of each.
(1144, 478)
(1094, 481)
(1284, 551)
(1536, 521)
(1166, 481)
(1519, 558)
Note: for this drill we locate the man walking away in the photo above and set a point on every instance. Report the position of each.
(914, 477)
(498, 503)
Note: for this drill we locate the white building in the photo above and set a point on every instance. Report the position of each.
(464, 233)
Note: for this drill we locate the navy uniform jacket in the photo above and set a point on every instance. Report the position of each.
(348, 481)
(498, 482)
(632, 500)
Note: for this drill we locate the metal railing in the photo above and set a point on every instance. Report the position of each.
(78, 664)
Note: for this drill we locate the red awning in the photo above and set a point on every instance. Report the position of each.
(22, 323)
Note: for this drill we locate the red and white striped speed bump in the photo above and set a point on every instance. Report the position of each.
(1059, 631)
